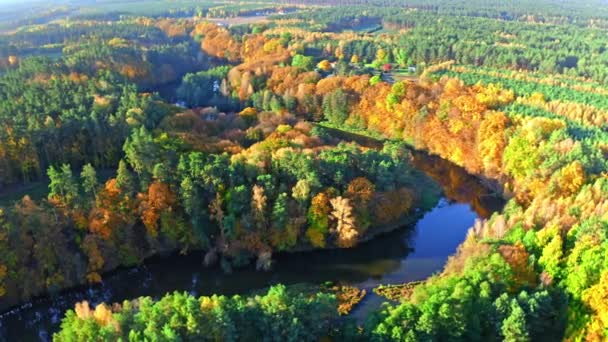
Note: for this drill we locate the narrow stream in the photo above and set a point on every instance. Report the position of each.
(410, 253)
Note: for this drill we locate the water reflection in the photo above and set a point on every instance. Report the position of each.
(403, 255)
(370, 261)
(408, 254)
(458, 185)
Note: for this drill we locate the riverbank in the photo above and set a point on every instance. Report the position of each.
(383, 254)
(409, 253)
(421, 207)
(376, 140)
(159, 224)
(409, 250)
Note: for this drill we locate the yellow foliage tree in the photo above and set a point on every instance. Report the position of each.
(596, 297)
(318, 219)
(381, 56)
(271, 45)
(324, 65)
(570, 179)
(493, 95)
(491, 141)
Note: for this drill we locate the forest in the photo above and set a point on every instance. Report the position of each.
(245, 131)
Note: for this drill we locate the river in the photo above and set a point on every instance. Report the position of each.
(413, 252)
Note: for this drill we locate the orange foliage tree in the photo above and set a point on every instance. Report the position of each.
(518, 258)
(160, 198)
(217, 41)
(360, 190)
(392, 205)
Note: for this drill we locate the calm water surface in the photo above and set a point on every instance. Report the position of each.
(410, 253)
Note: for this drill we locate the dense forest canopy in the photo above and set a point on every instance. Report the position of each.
(150, 128)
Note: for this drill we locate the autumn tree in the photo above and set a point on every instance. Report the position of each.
(217, 213)
(492, 141)
(324, 65)
(597, 298)
(114, 211)
(382, 57)
(392, 205)
(342, 213)
(518, 258)
(569, 179)
(360, 190)
(301, 191)
(318, 220)
(90, 246)
(258, 206)
(218, 41)
(157, 200)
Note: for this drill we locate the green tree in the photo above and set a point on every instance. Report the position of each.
(335, 107)
(88, 176)
(124, 178)
(143, 153)
(62, 184)
(514, 326)
(396, 95)
(276, 104)
(401, 57)
(375, 80)
(161, 172)
(238, 200)
(303, 62)
(279, 211)
(278, 315)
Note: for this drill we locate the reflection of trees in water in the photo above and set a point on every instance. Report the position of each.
(374, 258)
(382, 255)
(377, 257)
(458, 185)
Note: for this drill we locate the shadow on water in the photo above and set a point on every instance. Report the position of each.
(369, 261)
(410, 253)
(458, 185)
